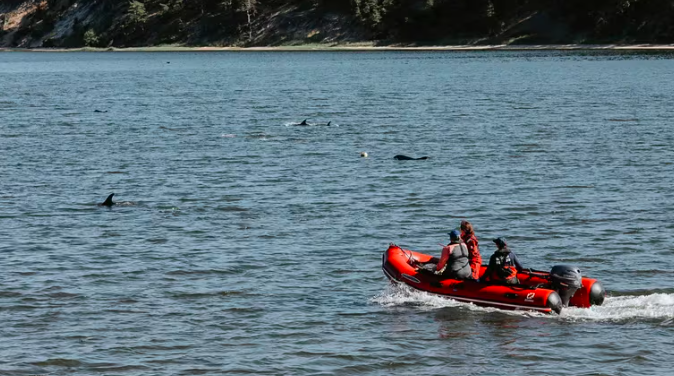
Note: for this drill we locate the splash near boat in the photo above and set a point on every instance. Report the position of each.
(539, 291)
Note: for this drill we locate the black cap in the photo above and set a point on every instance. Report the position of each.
(500, 242)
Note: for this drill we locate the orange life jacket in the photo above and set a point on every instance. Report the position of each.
(473, 254)
(473, 250)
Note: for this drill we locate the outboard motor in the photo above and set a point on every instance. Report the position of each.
(565, 279)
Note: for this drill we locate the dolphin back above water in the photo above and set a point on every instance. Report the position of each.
(305, 123)
(401, 157)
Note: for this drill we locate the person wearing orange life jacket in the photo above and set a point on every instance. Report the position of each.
(454, 259)
(474, 257)
(503, 265)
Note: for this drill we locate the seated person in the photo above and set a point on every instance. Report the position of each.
(453, 262)
(503, 265)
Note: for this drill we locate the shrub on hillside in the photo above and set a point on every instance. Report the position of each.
(90, 38)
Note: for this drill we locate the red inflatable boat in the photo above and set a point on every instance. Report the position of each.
(545, 292)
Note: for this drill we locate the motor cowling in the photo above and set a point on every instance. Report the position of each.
(566, 280)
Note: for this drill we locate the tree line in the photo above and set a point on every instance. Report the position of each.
(241, 22)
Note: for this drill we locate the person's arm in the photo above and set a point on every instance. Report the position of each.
(444, 257)
(516, 262)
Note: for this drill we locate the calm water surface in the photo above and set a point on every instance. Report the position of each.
(242, 244)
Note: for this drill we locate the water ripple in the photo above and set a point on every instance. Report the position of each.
(240, 245)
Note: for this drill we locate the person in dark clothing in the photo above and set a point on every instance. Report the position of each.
(503, 265)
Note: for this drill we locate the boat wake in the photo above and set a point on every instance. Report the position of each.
(402, 295)
(654, 307)
(657, 307)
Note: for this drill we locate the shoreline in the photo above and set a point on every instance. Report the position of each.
(356, 47)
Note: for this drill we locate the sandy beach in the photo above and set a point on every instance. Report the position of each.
(364, 47)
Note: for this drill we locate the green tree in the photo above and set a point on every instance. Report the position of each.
(136, 15)
(90, 38)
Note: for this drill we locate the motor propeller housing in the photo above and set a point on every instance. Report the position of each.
(566, 280)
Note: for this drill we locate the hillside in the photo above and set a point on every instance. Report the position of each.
(124, 23)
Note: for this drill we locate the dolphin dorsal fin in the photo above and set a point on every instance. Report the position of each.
(108, 201)
(304, 122)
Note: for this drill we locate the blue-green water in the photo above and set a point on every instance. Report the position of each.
(243, 244)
